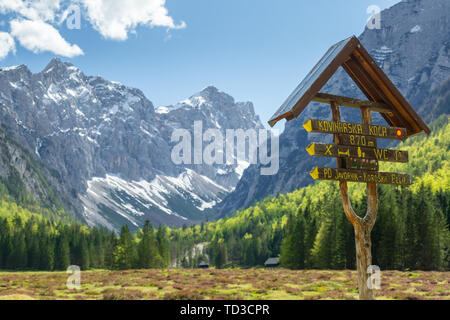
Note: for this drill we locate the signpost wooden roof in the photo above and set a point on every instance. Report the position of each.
(381, 93)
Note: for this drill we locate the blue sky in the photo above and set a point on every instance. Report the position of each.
(255, 50)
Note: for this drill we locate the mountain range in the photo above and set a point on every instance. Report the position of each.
(107, 150)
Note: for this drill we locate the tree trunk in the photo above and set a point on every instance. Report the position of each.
(363, 260)
(362, 226)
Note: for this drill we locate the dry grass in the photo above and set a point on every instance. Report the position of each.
(199, 284)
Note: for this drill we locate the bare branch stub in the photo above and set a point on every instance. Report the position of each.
(349, 212)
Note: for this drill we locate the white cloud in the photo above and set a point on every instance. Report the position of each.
(6, 44)
(33, 22)
(114, 19)
(31, 9)
(38, 36)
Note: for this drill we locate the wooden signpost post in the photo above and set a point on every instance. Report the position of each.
(357, 161)
(355, 144)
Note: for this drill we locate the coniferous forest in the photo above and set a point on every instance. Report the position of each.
(306, 228)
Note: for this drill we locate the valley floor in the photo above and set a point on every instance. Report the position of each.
(258, 284)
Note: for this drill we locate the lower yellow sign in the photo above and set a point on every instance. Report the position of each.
(360, 176)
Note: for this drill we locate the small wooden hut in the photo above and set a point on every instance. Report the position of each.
(272, 263)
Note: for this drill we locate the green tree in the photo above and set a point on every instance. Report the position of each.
(124, 257)
(62, 253)
(84, 254)
(148, 254)
(293, 247)
(18, 256)
(163, 244)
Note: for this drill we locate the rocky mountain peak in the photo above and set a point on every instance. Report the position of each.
(212, 95)
(218, 109)
(58, 71)
(19, 68)
(56, 65)
(209, 90)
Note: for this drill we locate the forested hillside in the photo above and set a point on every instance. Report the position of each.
(28, 242)
(23, 185)
(308, 227)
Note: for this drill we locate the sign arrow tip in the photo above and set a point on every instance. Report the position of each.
(308, 126)
(310, 149)
(315, 173)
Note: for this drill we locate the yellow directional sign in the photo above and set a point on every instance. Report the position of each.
(360, 176)
(338, 151)
(324, 126)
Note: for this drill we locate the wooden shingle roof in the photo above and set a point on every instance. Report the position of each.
(368, 76)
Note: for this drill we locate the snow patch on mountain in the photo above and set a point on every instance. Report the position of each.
(382, 54)
(162, 110)
(134, 200)
(416, 29)
(9, 68)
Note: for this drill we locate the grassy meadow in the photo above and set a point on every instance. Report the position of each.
(239, 284)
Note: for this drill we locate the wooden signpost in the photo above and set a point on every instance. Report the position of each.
(355, 148)
(355, 144)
